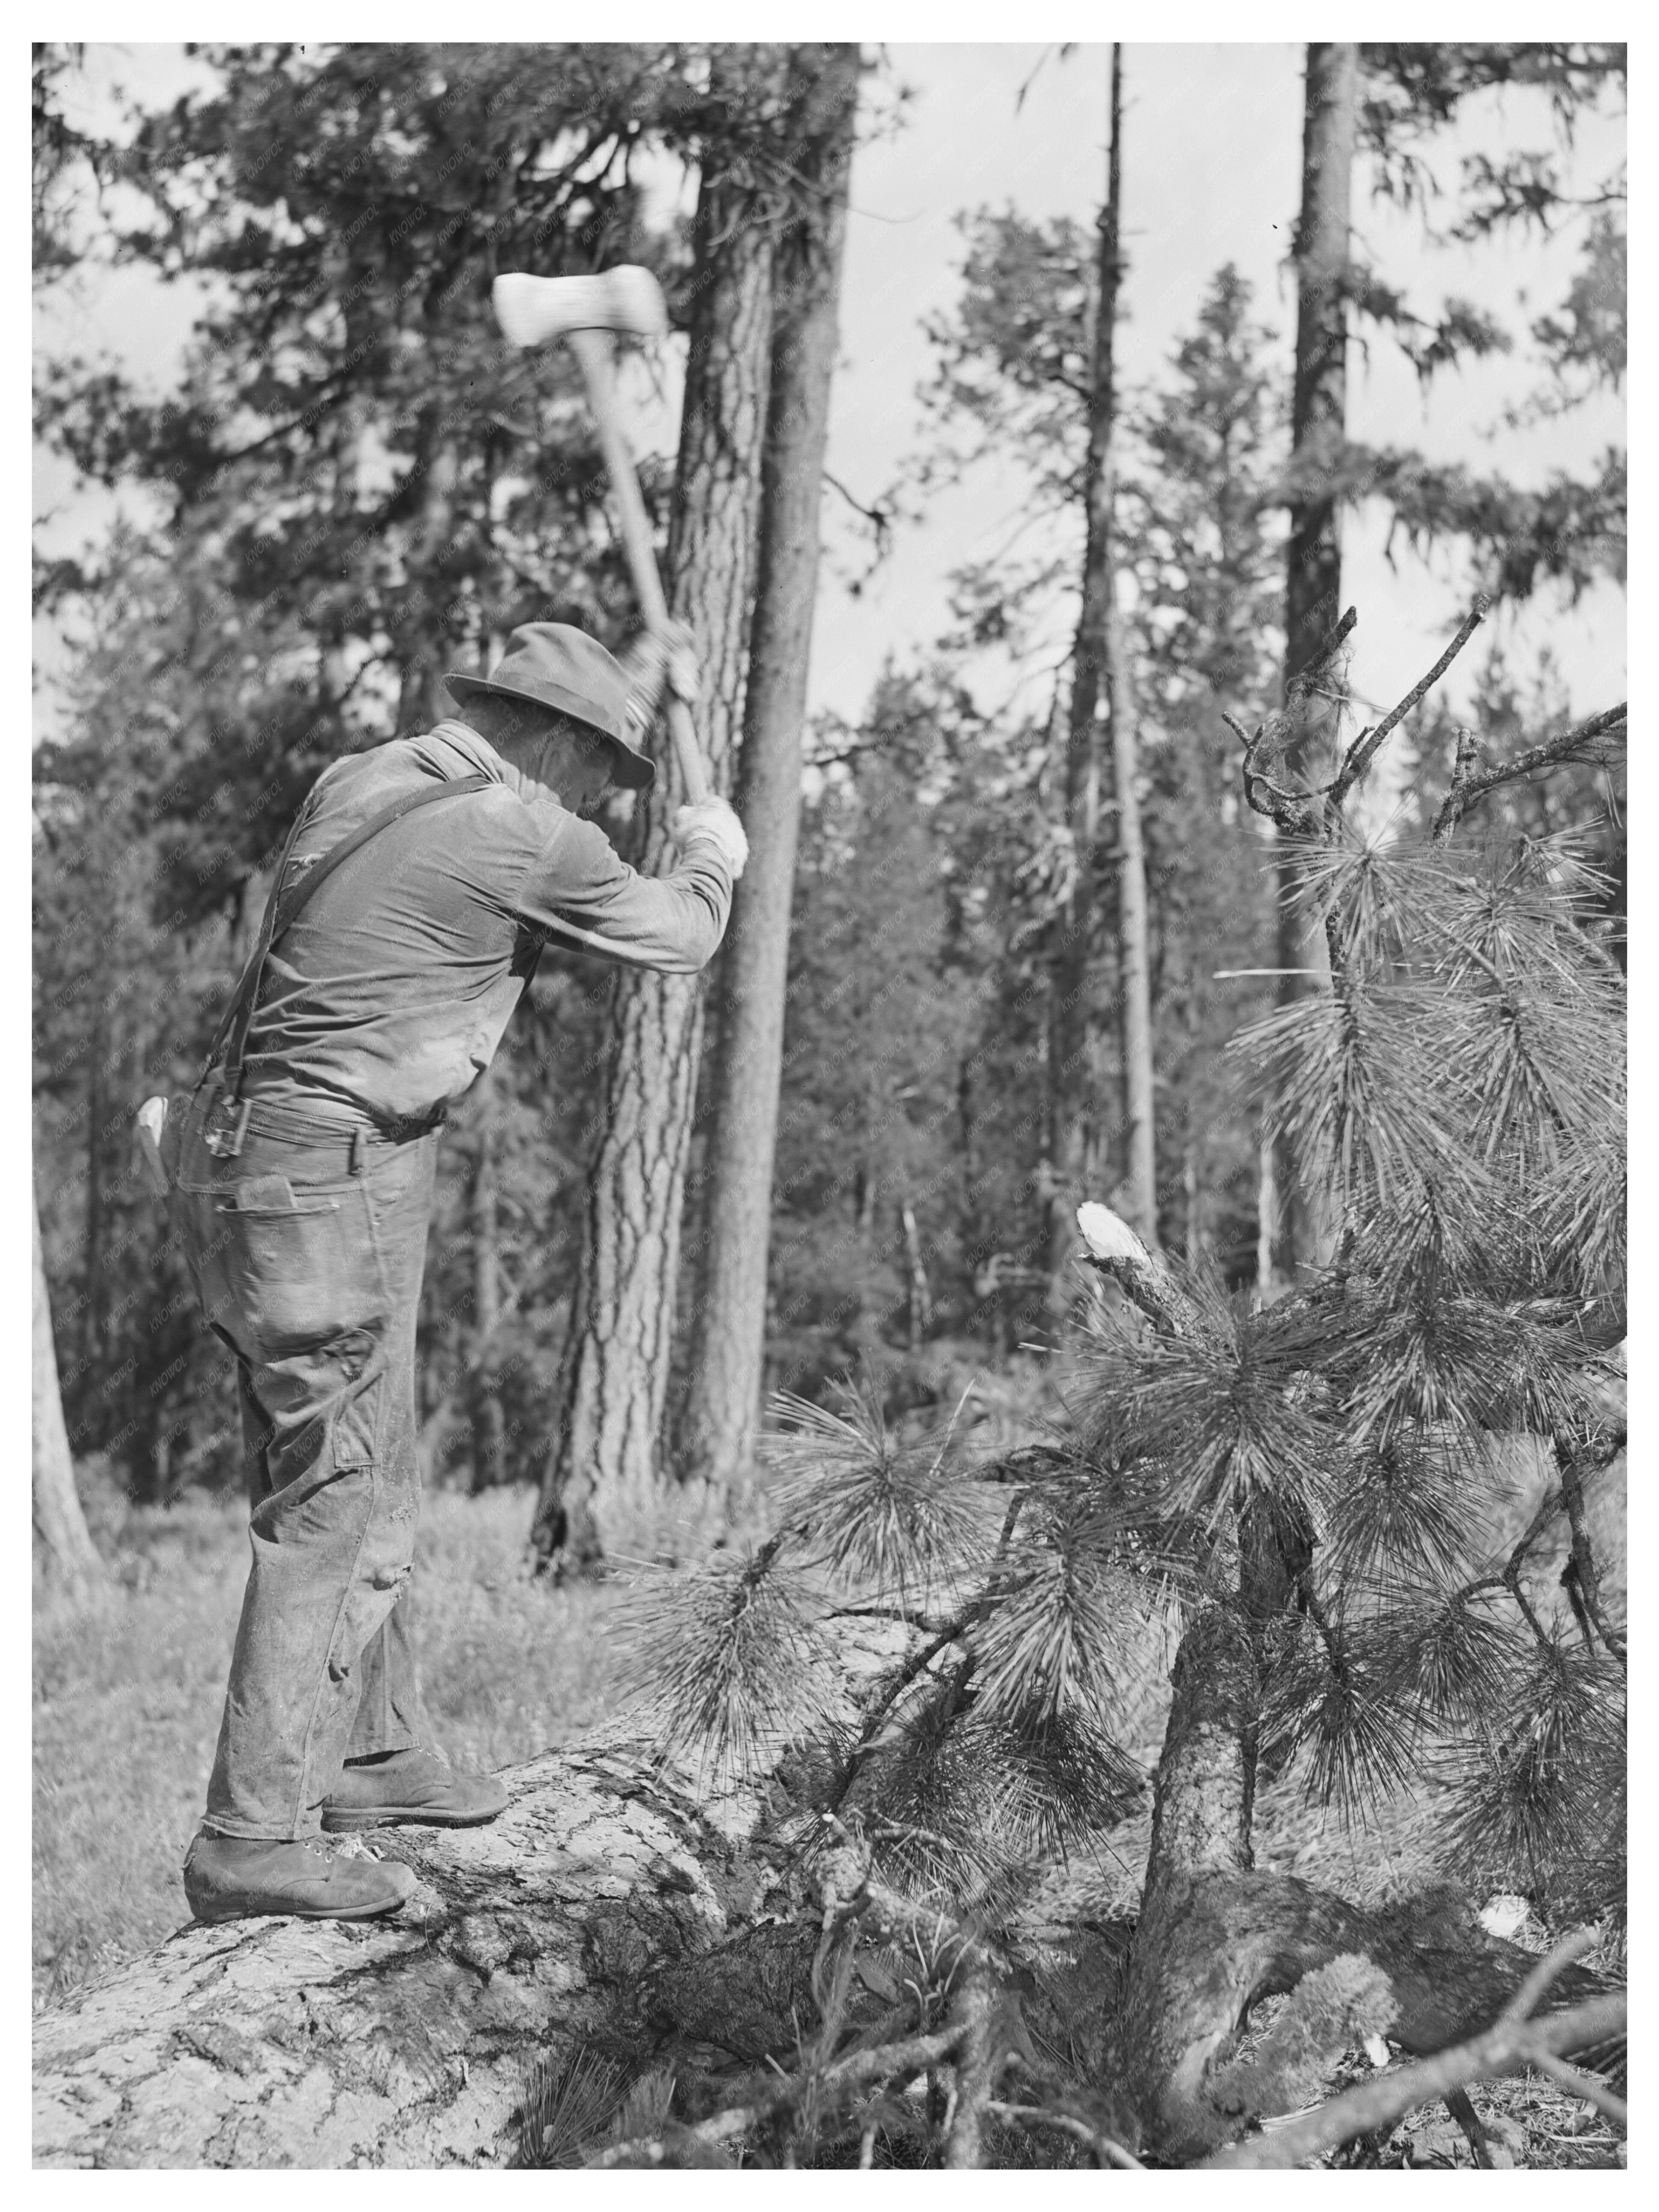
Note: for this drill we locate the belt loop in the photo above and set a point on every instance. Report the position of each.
(234, 1149)
(356, 1163)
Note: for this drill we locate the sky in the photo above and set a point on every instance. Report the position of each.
(1211, 174)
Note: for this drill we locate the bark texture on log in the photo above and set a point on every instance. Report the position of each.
(604, 1475)
(722, 1409)
(408, 2043)
(604, 1907)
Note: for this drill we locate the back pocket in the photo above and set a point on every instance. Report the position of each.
(301, 1265)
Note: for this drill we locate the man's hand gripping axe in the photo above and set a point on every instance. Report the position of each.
(535, 311)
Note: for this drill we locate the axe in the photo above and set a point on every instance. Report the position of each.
(534, 311)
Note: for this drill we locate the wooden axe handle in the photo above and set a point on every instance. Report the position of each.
(593, 355)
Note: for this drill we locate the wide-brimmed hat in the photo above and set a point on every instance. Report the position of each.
(555, 664)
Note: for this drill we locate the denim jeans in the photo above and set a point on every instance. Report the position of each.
(307, 1249)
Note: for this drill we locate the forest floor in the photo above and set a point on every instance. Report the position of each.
(126, 1708)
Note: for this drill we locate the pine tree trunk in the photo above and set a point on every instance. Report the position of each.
(1313, 577)
(1077, 1057)
(91, 1263)
(59, 1523)
(603, 1478)
(420, 703)
(1134, 942)
(485, 1405)
(722, 1408)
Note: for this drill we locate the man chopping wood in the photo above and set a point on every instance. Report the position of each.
(412, 900)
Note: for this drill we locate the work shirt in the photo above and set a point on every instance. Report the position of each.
(392, 986)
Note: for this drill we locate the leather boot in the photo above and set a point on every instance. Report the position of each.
(234, 1877)
(411, 1788)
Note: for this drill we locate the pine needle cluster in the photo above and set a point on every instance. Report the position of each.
(1460, 1094)
(1022, 1610)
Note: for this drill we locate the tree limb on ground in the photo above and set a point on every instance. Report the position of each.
(1513, 2043)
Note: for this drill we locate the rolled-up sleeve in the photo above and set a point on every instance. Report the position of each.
(579, 887)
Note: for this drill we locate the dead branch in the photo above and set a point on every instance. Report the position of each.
(1583, 743)
(1589, 2087)
(880, 516)
(1364, 748)
(1577, 1460)
(1508, 2047)
(1548, 1970)
(1307, 679)
(972, 2012)
(1107, 2152)
(857, 2072)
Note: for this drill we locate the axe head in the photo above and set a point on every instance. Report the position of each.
(534, 311)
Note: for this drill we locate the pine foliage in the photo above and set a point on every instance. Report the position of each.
(1459, 1092)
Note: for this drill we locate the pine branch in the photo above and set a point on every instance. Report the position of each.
(1548, 1970)
(1509, 2046)
(1307, 679)
(887, 2062)
(1577, 1460)
(1511, 1577)
(1364, 748)
(1553, 752)
(972, 2012)
(1589, 2087)
(914, 1665)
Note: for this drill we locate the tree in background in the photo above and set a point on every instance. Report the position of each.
(1313, 551)
(1196, 475)
(734, 1204)
(1100, 676)
(1206, 549)
(59, 1522)
(604, 1476)
(878, 1022)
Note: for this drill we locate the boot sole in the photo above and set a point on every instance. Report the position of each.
(350, 1823)
(212, 1915)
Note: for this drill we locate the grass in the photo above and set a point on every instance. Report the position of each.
(127, 1697)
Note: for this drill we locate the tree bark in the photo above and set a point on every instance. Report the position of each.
(484, 1404)
(1314, 572)
(728, 1331)
(1077, 1057)
(420, 696)
(1134, 945)
(604, 1478)
(59, 1523)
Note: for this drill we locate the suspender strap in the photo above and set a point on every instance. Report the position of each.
(281, 913)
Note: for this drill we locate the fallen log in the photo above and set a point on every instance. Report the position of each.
(403, 2043)
(605, 1907)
